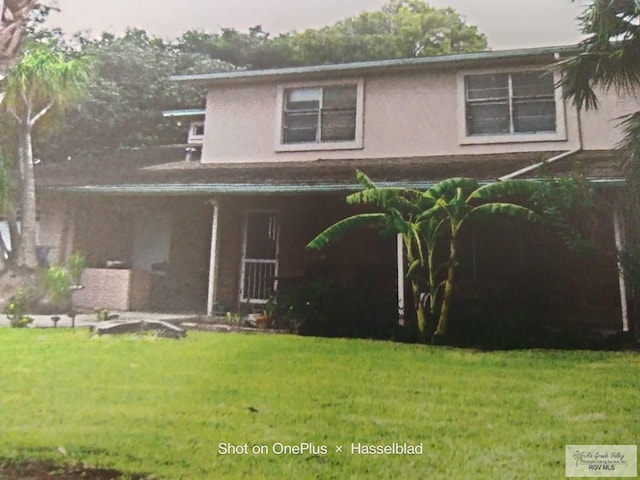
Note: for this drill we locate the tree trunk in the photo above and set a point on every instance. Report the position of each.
(13, 15)
(3, 252)
(14, 232)
(26, 253)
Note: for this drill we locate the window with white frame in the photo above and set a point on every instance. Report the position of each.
(321, 116)
(510, 104)
(196, 132)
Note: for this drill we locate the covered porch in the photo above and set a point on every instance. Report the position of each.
(217, 236)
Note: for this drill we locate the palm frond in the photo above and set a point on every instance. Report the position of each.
(631, 128)
(339, 228)
(45, 77)
(609, 57)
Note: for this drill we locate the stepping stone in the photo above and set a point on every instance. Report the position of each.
(115, 327)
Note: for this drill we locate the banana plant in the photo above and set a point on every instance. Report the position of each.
(401, 208)
(456, 201)
(423, 219)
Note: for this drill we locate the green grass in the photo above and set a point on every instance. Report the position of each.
(140, 404)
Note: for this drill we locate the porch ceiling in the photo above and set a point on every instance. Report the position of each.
(162, 171)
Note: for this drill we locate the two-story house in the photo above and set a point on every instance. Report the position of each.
(225, 218)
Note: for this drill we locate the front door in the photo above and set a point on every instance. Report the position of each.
(260, 257)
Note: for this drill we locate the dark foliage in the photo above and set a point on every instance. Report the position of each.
(319, 306)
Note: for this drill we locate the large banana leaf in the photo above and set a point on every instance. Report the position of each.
(506, 209)
(505, 188)
(338, 229)
(406, 200)
(388, 197)
(436, 211)
(447, 188)
(364, 180)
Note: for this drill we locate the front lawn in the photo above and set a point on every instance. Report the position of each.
(170, 408)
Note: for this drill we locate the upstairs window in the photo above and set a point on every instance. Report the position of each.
(321, 117)
(320, 114)
(510, 104)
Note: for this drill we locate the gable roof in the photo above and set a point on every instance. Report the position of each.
(485, 58)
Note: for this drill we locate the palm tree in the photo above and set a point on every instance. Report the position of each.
(456, 201)
(43, 81)
(608, 58)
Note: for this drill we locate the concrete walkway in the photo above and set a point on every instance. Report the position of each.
(89, 319)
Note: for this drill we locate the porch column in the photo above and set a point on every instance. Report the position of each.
(213, 259)
(401, 274)
(618, 233)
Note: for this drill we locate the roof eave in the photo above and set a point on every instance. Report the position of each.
(341, 69)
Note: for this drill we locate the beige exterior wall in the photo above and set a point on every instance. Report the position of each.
(601, 127)
(405, 114)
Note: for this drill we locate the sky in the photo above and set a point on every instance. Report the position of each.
(507, 23)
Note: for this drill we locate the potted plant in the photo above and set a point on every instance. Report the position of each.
(266, 317)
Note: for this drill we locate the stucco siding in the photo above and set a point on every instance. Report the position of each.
(239, 124)
(406, 114)
(601, 127)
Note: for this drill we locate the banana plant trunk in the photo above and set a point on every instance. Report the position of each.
(419, 308)
(447, 296)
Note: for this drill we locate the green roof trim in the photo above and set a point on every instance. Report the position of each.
(214, 188)
(254, 188)
(374, 65)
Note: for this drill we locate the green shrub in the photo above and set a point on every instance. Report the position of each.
(58, 279)
(57, 282)
(16, 309)
(319, 306)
